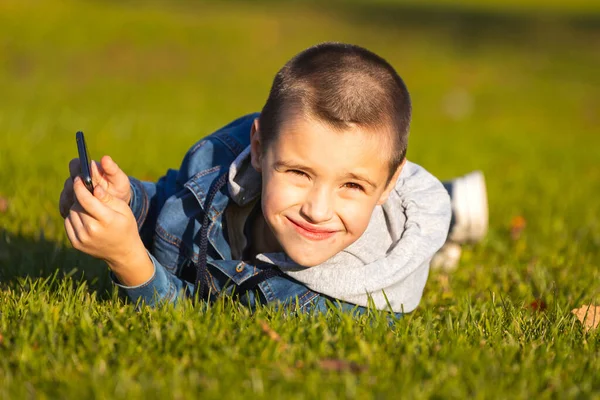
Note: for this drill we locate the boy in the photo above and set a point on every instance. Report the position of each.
(312, 199)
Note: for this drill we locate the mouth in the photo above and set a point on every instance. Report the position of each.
(311, 232)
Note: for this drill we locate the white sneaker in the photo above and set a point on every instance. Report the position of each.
(470, 208)
(470, 212)
(447, 257)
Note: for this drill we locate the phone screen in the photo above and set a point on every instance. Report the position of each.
(84, 161)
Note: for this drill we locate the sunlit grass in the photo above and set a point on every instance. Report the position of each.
(519, 101)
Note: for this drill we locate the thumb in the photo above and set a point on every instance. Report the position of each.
(110, 201)
(110, 167)
(97, 178)
(102, 194)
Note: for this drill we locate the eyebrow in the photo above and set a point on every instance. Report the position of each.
(351, 175)
(291, 165)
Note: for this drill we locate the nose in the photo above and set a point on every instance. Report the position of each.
(317, 207)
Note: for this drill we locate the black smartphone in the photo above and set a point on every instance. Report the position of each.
(84, 162)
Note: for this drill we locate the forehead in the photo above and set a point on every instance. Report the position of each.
(333, 151)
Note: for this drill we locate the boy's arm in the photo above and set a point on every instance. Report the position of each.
(162, 287)
(148, 198)
(103, 226)
(390, 262)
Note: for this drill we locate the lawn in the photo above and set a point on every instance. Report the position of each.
(511, 90)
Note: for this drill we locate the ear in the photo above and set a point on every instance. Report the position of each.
(391, 185)
(255, 146)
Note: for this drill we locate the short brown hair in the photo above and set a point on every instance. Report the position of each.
(341, 84)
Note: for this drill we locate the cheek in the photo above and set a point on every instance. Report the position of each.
(355, 215)
(278, 195)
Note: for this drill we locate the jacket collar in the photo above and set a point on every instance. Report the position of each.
(245, 182)
(244, 185)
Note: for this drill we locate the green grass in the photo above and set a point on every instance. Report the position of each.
(517, 96)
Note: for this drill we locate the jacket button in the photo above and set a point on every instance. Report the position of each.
(239, 267)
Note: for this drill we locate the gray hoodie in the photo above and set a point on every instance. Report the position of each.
(389, 263)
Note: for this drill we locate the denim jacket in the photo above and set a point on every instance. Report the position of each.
(171, 214)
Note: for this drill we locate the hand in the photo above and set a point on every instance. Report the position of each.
(105, 174)
(104, 226)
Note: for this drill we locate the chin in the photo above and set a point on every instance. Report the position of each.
(307, 260)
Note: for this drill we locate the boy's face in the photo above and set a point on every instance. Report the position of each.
(320, 186)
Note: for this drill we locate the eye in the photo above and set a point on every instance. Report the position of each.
(297, 172)
(354, 186)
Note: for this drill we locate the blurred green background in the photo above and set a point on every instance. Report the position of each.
(511, 88)
(508, 87)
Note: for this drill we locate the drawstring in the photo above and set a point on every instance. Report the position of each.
(202, 280)
(202, 276)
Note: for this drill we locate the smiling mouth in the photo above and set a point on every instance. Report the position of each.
(310, 232)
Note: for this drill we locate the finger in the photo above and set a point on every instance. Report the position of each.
(71, 234)
(89, 203)
(110, 167)
(64, 205)
(68, 189)
(74, 167)
(97, 176)
(110, 201)
(66, 198)
(90, 225)
(82, 219)
(74, 218)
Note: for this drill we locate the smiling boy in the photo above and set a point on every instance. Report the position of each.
(310, 200)
(315, 201)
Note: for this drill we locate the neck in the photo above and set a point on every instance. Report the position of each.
(263, 240)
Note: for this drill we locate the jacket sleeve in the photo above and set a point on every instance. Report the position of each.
(149, 198)
(162, 287)
(147, 201)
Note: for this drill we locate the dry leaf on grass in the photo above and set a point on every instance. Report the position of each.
(538, 305)
(272, 334)
(517, 225)
(3, 204)
(588, 315)
(332, 364)
(269, 331)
